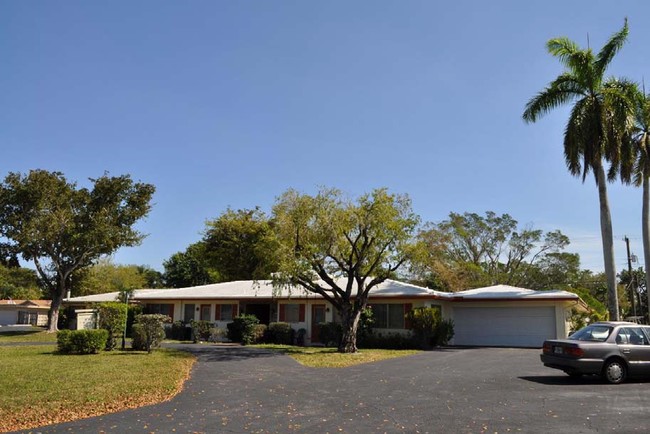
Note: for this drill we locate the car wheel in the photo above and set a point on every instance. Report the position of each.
(614, 371)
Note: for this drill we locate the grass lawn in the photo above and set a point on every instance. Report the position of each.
(317, 357)
(39, 387)
(36, 334)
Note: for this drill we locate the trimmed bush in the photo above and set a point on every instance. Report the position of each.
(300, 337)
(242, 329)
(217, 334)
(280, 333)
(179, 331)
(259, 332)
(330, 333)
(148, 331)
(200, 330)
(112, 318)
(81, 341)
(388, 341)
(444, 331)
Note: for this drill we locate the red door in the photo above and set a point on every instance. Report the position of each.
(317, 317)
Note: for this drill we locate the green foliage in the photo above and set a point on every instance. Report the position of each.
(105, 276)
(259, 332)
(200, 330)
(18, 283)
(112, 318)
(329, 243)
(241, 245)
(280, 333)
(301, 334)
(469, 250)
(81, 341)
(148, 331)
(330, 333)
(63, 228)
(188, 268)
(242, 329)
(428, 328)
(179, 331)
(389, 341)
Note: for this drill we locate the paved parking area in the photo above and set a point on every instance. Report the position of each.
(485, 390)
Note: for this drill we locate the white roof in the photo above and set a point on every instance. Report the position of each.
(511, 292)
(107, 296)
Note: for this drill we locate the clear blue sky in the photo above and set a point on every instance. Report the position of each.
(229, 103)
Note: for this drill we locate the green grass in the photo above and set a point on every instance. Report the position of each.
(317, 357)
(39, 387)
(36, 334)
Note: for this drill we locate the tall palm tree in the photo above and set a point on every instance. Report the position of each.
(635, 166)
(596, 125)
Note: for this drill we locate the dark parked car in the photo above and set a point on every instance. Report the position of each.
(613, 350)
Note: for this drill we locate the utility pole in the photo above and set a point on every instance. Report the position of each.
(632, 276)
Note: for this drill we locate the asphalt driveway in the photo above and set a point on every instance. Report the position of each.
(237, 390)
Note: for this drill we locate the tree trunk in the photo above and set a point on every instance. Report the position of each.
(608, 243)
(645, 223)
(350, 317)
(53, 314)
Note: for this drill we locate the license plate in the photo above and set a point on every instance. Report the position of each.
(557, 350)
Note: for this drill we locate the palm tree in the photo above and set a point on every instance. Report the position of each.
(635, 165)
(596, 125)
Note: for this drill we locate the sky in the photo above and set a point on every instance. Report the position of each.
(230, 103)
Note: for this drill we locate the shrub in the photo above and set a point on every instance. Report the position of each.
(134, 310)
(200, 330)
(112, 318)
(179, 331)
(428, 328)
(280, 333)
(81, 341)
(388, 341)
(148, 331)
(216, 334)
(259, 332)
(300, 337)
(330, 333)
(242, 329)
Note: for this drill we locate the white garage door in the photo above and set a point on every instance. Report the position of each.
(504, 326)
(8, 317)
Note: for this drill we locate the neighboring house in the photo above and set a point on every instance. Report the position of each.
(493, 316)
(32, 312)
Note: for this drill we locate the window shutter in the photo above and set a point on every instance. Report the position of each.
(217, 312)
(282, 315)
(407, 308)
(301, 313)
(234, 310)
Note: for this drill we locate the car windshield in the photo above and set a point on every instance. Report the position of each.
(598, 333)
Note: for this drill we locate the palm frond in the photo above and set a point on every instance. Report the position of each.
(560, 91)
(610, 49)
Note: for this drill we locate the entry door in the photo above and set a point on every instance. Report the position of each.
(317, 317)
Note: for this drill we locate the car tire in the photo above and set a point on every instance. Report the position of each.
(614, 371)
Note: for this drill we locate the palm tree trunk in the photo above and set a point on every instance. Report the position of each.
(608, 242)
(645, 223)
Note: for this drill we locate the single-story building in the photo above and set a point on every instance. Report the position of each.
(493, 316)
(32, 312)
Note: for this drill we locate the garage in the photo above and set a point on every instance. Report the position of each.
(8, 316)
(521, 326)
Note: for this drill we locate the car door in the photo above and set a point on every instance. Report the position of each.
(634, 345)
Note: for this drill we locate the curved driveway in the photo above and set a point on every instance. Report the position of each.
(246, 390)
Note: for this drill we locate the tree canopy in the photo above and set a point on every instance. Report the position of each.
(63, 228)
(341, 249)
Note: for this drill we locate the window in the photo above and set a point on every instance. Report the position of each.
(388, 316)
(631, 336)
(292, 312)
(226, 312)
(188, 313)
(205, 312)
(163, 309)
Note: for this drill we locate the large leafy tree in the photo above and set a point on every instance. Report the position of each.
(105, 276)
(63, 228)
(470, 250)
(596, 125)
(189, 268)
(341, 249)
(241, 245)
